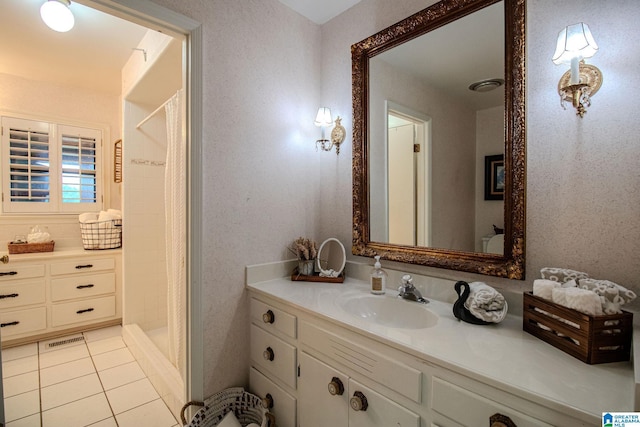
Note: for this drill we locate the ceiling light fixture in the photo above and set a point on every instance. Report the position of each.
(57, 15)
(486, 85)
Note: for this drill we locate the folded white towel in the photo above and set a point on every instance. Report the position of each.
(542, 288)
(115, 212)
(559, 296)
(581, 300)
(584, 301)
(485, 303)
(88, 217)
(108, 216)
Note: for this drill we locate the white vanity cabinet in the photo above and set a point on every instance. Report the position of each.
(47, 294)
(332, 359)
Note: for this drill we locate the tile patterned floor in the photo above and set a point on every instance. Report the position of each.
(92, 382)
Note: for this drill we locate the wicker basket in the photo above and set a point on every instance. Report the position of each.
(29, 248)
(102, 234)
(246, 407)
(592, 339)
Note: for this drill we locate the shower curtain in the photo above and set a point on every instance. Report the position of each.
(175, 223)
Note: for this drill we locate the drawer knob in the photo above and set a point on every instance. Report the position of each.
(90, 285)
(499, 420)
(4, 259)
(80, 267)
(336, 388)
(359, 401)
(267, 401)
(86, 310)
(9, 296)
(268, 354)
(268, 317)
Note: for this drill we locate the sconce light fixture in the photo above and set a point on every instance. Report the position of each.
(57, 15)
(323, 119)
(578, 85)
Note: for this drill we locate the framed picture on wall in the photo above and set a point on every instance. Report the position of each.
(494, 177)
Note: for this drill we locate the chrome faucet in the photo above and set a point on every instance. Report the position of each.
(410, 292)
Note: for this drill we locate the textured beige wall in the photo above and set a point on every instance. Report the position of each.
(266, 70)
(261, 180)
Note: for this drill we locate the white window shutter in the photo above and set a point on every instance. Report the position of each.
(26, 159)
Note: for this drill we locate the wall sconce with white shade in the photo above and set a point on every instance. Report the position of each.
(578, 85)
(57, 15)
(323, 119)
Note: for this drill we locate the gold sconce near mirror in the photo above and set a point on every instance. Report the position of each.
(323, 119)
(582, 81)
(444, 230)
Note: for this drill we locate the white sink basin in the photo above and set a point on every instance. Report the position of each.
(391, 312)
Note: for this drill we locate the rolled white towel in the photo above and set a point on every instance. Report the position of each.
(229, 420)
(88, 217)
(612, 295)
(485, 303)
(543, 288)
(584, 301)
(561, 275)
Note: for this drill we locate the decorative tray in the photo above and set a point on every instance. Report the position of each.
(315, 278)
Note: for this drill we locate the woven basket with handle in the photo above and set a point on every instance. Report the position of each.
(246, 407)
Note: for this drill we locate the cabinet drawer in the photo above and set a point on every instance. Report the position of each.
(82, 286)
(381, 368)
(22, 321)
(16, 272)
(380, 410)
(284, 405)
(79, 266)
(447, 399)
(272, 318)
(24, 292)
(274, 355)
(82, 311)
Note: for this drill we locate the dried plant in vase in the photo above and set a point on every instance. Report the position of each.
(306, 251)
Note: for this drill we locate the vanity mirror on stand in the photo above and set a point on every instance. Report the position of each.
(433, 95)
(329, 264)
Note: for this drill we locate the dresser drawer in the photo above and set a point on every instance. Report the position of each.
(283, 404)
(274, 355)
(16, 272)
(22, 321)
(82, 286)
(82, 311)
(23, 292)
(82, 266)
(447, 399)
(272, 319)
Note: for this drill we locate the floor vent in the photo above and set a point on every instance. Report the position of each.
(64, 342)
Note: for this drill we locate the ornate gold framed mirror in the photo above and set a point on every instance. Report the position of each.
(405, 77)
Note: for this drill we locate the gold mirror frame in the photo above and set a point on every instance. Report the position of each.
(510, 265)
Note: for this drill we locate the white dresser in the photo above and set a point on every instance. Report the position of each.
(49, 294)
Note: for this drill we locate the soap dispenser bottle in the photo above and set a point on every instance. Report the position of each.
(378, 278)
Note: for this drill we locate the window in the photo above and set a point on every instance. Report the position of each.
(50, 168)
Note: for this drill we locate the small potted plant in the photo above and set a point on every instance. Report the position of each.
(306, 251)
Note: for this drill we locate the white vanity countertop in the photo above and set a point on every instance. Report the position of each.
(502, 355)
(61, 253)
